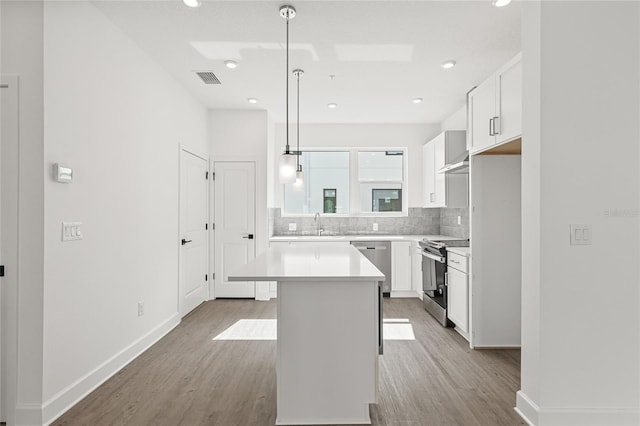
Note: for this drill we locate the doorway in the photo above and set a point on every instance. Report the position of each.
(235, 225)
(194, 230)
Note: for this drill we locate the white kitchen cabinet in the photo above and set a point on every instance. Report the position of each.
(416, 268)
(428, 174)
(444, 189)
(458, 291)
(495, 108)
(401, 285)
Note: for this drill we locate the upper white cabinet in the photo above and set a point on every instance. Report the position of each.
(444, 189)
(495, 108)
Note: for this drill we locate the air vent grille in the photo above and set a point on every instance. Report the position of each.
(208, 77)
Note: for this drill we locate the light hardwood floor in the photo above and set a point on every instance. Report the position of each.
(187, 378)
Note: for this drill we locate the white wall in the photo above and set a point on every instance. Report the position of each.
(581, 348)
(116, 118)
(22, 47)
(456, 121)
(243, 135)
(412, 136)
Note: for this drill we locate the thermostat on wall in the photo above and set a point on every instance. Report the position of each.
(62, 174)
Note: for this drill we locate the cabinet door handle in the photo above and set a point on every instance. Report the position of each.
(491, 127)
(496, 126)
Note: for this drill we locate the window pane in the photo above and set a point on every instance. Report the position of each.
(380, 197)
(380, 165)
(326, 184)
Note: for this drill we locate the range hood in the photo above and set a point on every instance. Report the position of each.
(460, 164)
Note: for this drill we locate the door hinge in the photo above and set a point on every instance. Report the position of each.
(206, 226)
(213, 276)
(213, 226)
(213, 175)
(1, 270)
(206, 277)
(206, 175)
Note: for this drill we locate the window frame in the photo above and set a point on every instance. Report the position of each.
(355, 209)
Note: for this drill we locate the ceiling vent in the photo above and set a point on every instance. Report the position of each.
(208, 77)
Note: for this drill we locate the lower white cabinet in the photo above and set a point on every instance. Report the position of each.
(458, 292)
(401, 285)
(416, 268)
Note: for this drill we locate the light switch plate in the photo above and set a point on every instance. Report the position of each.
(293, 226)
(580, 235)
(71, 231)
(375, 226)
(459, 220)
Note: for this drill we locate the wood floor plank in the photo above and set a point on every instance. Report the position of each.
(187, 378)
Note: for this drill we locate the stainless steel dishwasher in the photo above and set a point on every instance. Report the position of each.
(379, 253)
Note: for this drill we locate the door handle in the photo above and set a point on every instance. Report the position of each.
(496, 126)
(250, 236)
(185, 241)
(491, 127)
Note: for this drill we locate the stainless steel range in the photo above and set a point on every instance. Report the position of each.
(434, 276)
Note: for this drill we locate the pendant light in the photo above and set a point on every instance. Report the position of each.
(288, 158)
(299, 183)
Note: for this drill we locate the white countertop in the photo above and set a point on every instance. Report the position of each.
(309, 262)
(347, 238)
(462, 251)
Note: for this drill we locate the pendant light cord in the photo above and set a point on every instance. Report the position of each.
(298, 126)
(287, 85)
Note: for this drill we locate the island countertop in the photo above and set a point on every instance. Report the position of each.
(311, 262)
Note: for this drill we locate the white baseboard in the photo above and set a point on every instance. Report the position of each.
(526, 408)
(596, 416)
(28, 414)
(72, 394)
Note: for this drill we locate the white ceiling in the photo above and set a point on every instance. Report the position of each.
(383, 53)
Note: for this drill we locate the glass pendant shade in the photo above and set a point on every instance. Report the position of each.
(288, 168)
(299, 183)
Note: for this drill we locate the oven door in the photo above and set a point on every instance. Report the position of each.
(433, 271)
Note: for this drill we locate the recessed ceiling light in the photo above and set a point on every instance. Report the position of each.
(332, 105)
(417, 100)
(252, 100)
(229, 64)
(192, 3)
(448, 64)
(501, 3)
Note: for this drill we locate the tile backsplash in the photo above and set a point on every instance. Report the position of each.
(418, 222)
(449, 222)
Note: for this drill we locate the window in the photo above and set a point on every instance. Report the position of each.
(386, 200)
(380, 178)
(349, 182)
(326, 184)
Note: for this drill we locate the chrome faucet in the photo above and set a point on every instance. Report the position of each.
(318, 222)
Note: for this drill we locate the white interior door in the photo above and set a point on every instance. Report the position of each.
(8, 246)
(194, 241)
(235, 220)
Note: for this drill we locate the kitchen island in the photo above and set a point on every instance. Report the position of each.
(329, 313)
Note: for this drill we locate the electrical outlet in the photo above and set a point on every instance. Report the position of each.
(375, 226)
(459, 220)
(71, 231)
(293, 226)
(580, 235)
(140, 309)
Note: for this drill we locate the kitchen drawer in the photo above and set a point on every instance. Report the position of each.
(454, 260)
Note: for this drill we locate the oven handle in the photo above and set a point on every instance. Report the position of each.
(433, 257)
